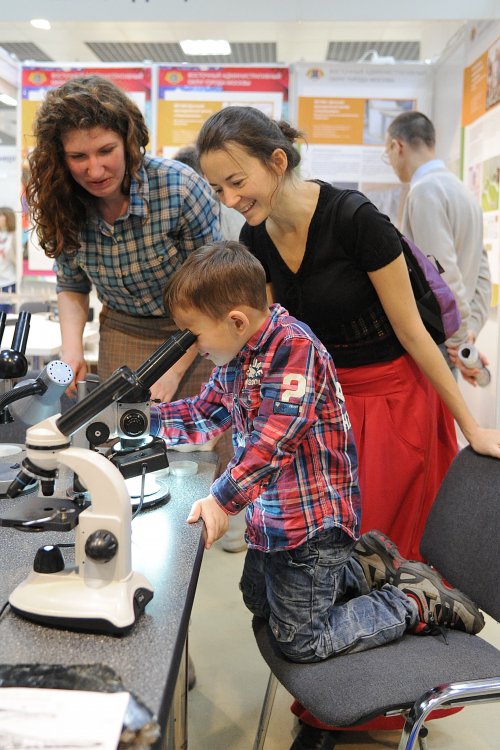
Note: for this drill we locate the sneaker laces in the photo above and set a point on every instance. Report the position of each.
(433, 628)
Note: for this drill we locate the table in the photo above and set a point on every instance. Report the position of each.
(44, 337)
(151, 660)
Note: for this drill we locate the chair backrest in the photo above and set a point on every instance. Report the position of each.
(462, 533)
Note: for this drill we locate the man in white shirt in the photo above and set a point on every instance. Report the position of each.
(443, 218)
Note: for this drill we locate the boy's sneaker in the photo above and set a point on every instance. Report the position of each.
(379, 557)
(439, 605)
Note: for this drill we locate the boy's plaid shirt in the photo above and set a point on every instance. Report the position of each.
(171, 214)
(295, 464)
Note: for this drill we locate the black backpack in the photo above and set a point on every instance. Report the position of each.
(435, 301)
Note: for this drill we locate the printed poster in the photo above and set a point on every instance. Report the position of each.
(481, 156)
(187, 96)
(344, 110)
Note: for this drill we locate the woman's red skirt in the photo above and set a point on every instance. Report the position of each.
(406, 440)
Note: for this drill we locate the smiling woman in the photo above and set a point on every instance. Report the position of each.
(115, 218)
(348, 281)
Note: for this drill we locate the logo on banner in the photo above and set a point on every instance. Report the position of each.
(315, 73)
(173, 77)
(38, 78)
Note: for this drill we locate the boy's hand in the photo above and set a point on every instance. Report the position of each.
(215, 519)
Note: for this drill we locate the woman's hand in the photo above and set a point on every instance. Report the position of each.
(485, 441)
(216, 520)
(77, 363)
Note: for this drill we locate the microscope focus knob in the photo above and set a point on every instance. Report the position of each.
(97, 433)
(101, 546)
(48, 559)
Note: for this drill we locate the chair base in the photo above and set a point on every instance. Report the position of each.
(452, 695)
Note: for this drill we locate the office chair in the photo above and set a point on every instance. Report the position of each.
(417, 674)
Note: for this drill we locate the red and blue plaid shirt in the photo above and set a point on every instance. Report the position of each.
(295, 464)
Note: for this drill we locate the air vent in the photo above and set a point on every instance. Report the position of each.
(354, 51)
(171, 52)
(25, 51)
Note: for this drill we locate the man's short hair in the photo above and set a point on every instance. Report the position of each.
(413, 128)
(188, 155)
(216, 278)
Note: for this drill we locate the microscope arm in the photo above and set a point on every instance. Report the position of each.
(110, 510)
(13, 362)
(101, 591)
(15, 394)
(46, 438)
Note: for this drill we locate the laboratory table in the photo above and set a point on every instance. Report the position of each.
(151, 659)
(44, 337)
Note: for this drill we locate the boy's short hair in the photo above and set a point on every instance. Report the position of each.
(216, 278)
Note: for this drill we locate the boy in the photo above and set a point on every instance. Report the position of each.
(294, 471)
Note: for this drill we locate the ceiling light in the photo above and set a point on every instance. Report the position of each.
(40, 23)
(9, 100)
(205, 47)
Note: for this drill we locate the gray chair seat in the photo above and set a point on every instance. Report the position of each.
(351, 689)
(416, 674)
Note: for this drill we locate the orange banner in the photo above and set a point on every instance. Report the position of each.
(332, 121)
(179, 121)
(475, 89)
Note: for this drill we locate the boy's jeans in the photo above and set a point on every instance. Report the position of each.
(317, 601)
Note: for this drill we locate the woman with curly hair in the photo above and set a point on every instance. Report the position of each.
(113, 217)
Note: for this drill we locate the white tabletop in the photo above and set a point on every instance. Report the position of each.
(44, 337)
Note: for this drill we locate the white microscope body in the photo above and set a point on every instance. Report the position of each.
(95, 593)
(100, 592)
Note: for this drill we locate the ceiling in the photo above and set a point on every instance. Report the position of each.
(256, 42)
(260, 31)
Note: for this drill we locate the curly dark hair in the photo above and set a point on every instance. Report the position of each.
(58, 205)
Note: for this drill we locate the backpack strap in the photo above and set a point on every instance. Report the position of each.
(429, 312)
(349, 204)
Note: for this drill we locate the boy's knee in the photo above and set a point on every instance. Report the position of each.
(257, 605)
(293, 645)
(300, 655)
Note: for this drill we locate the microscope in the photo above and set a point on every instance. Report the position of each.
(28, 401)
(13, 362)
(13, 365)
(140, 457)
(100, 592)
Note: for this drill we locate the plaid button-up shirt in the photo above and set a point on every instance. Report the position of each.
(295, 464)
(171, 214)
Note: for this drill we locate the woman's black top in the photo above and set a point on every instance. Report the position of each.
(331, 290)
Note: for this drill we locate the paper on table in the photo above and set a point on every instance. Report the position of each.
(33, 718)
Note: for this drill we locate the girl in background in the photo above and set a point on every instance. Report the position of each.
(7, 254)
